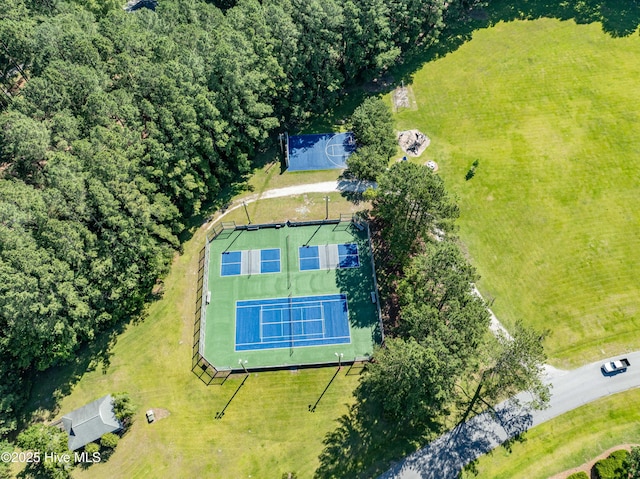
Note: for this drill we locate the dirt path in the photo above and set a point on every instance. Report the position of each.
(586, 467)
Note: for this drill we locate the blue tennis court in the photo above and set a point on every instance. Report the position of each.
(329, 256)
(261, 261)
(270, 260)
(348, 256)
(309, 258)
(326, 151)
(231, 263)
(292, 322)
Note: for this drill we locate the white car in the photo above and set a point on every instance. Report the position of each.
(614, 366)
(150, 416)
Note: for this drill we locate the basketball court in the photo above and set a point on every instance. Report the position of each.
(325, 151)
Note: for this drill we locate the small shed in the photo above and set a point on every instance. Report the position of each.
(90, 422)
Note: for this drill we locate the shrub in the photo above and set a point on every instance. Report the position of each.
(109, 440)
(122, 408)
(472, 171)
(613, 466)
(619, 455)
(91, 448)
(578, 475)
(632, 463)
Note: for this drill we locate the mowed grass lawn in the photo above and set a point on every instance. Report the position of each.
(552, 217)
(567, 441)
(266, 430)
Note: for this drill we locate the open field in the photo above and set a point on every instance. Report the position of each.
(551, 218)
(266, 430)
(567, 441)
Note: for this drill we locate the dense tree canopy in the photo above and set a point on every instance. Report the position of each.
(413, 383)
(45, 442)
(372, 125)
(5, 466)
(438, 304)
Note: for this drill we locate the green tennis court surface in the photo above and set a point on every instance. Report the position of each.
(289, 296)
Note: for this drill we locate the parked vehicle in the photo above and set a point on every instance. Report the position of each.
(150, 416)
(615, 366)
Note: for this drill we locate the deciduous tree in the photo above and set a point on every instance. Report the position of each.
(50, 443)
(632, 463)
(123, 408)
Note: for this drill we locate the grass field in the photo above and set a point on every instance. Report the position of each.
(567, 441)
(270, 177)
(551, 218)
(303, 207)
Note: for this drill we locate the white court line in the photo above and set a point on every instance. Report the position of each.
(311, 302)
(284, 337)
(299, 341)
(329, 155)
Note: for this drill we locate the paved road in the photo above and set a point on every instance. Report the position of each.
(445, 457)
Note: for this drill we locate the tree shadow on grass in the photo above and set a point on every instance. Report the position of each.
(352, 189)
(105, 455)
(335, 117)
(364, 443)
(449, 454)
(619, 18)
